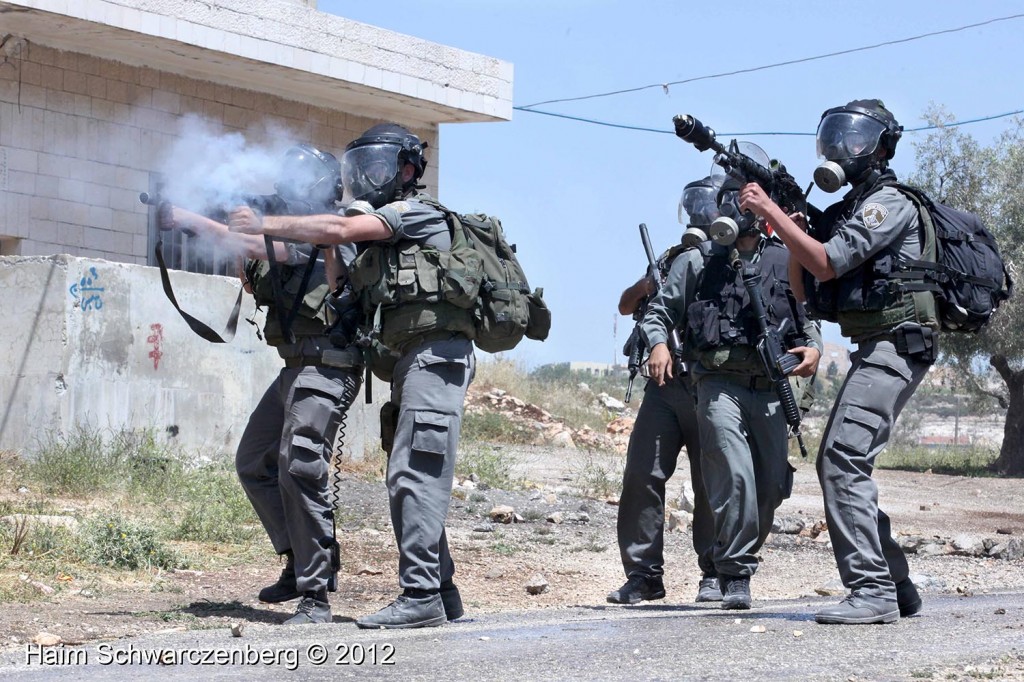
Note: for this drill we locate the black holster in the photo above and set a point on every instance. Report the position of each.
(917, 343)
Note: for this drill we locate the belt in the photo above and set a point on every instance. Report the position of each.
(303, 361)
(427, 338)
(753, 382)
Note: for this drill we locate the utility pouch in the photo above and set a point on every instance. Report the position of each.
(388, 426)
(917, 342)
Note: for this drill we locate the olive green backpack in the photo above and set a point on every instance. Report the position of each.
(506, 309)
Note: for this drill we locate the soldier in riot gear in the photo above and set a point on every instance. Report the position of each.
(846, 258)
(284, 453)
(393, 223)
(742, 430)
(665, 423)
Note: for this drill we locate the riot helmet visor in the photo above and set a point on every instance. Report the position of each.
(697, 205)
(368, 168)
(848, 135)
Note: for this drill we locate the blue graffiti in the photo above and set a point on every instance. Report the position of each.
(86, 286)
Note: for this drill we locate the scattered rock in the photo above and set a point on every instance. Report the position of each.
(789, 525)
(823, 537)
(42, 587)
(832, 588)
(494, 574)
(933, 547)
(685, 500)
(969, 545)
(46, 639)
(187, 573)
(679, 520)
(502, 514)
(1011, 549)
(1004, 531)
(538, 584)
(759, 629)
(483, 528)
(610, 403)
(236, 629)
(579, 518)
(369, 570)
(14, 520)
(555, 517)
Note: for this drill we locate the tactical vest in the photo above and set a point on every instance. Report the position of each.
(721, 315)
(311, 318)
(868, 299)
(410, 290)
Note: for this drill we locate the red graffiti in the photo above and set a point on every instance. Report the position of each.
(156, 338)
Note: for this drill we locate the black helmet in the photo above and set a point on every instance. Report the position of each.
(372, 164)
(879, 128)
(308, 174)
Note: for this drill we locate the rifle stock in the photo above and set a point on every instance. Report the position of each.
(777, 362)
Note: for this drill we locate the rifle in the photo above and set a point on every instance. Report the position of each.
(778, 364)
(775, 181)
(635, 346)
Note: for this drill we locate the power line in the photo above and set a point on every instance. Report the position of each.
(665, 86)
(760, 133)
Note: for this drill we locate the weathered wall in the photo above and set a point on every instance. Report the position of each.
(96, 343)
(80, 135)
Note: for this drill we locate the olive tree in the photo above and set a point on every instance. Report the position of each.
(956, 170)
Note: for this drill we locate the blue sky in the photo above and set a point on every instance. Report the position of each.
(572, 194)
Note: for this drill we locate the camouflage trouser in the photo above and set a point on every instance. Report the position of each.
(746, 468)
(283, 463)
(877, 387)
(429, 388)
(665, 422)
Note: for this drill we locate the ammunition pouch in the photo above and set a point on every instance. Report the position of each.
(388, 426)
(915, 342)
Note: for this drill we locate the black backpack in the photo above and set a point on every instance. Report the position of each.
(969, 278)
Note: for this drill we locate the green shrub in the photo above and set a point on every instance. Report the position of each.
(493, 466)
(212, 507)
(116, 541)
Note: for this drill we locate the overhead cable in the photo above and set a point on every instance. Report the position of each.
(665, 86)
(760, 133)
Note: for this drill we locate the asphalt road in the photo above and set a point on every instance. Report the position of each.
(645, 642)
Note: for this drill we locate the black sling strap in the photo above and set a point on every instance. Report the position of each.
(198, 327)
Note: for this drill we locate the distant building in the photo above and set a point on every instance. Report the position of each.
(597, 369)
(837, 353)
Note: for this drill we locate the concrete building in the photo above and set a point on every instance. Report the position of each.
(92, 96)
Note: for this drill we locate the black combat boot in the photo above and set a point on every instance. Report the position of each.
(451, 600)
(284, 589)
(735, 591)
(412, 609)
(313, 608)
(856, 609)
(709, 589)
(907, 598)
(638, 588)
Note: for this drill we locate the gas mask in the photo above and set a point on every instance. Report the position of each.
(371, 167)
(698, 209)
(848, 141)
(309, 176)
(733, 223)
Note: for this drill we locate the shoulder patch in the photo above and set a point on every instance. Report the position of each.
(401, 206)
(874, 214)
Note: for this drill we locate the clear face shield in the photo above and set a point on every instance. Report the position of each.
(697, 210)
(847, 135)
(300, 174)
(368, 168)
(846, 141)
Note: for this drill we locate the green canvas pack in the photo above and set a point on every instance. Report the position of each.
(506, 309)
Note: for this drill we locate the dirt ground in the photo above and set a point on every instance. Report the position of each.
(579, 559)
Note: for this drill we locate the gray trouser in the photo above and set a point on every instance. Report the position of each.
(666, 421)
(747, 475)
(877, 387)
(283, 463)
(429, 387)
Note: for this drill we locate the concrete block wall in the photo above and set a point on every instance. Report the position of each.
(80, 135)
(96, 343)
